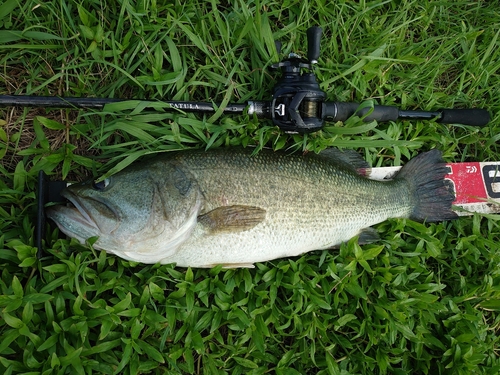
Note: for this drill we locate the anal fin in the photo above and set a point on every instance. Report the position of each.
(231, 265)
(368, 235)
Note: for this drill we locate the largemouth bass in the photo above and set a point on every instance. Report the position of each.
(202, 209)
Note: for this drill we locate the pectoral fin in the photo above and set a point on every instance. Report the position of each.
(232, 218)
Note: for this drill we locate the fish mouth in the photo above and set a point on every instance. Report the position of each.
(96, 215)
(77, 212)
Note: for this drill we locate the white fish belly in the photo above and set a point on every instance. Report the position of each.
(280, 236)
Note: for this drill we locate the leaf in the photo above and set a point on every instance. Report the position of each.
(342, 321)
(101, 348)
(261, 326)
(136, 329)
(7, 338)
(373, 252)
(258, 340)
(204, 321)
(92, 48)
(354, 289)
(125, 359)
(188, 357)
(492, 304)
(7, 7)
(122, 305)
(195, 39)
(17, 287)
(153, 318)
(223, 104)
(174, 55)
(72, 355)
(320, 302)
(407, 332)
(358, 129)
(151, 351)
(12, 321)
(82, 13)
(202, 286)
(197, 342)
(13, 305)
(56, 268)
(130, 313)
(158, 58)
(19, 177)
(28, 262)
(123, 164)
(164, 79)
(156, 292)
(240, 315)
(49, 343)
(245, 362)
(25, 251)
(99, 34)
(7, 36)
(434, 248)
(27, 314)
(50, 124)
(189, 275)
(54, 284)
(87, 32)
(333, 367)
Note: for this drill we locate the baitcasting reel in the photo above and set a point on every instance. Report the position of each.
(298, 101)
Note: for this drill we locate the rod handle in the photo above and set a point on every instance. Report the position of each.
(473, 116)
(342, 111)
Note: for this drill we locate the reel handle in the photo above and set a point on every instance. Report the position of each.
(313, 43)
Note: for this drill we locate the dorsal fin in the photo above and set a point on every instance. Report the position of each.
(349, 159)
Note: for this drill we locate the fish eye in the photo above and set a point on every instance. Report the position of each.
(101, 185)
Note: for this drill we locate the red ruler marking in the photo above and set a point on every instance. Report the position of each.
(468, 181)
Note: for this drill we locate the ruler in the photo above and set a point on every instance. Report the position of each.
(476, 185)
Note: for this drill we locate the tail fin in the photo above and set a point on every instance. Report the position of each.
(433, 194)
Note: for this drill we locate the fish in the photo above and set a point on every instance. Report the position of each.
(234, 207)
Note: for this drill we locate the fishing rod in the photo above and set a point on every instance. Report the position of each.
(298, 104)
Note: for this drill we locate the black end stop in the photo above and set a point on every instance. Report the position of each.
(47, 191)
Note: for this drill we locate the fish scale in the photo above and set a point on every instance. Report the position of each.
(305, 199)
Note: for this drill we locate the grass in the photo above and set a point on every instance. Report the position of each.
(424, 300)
